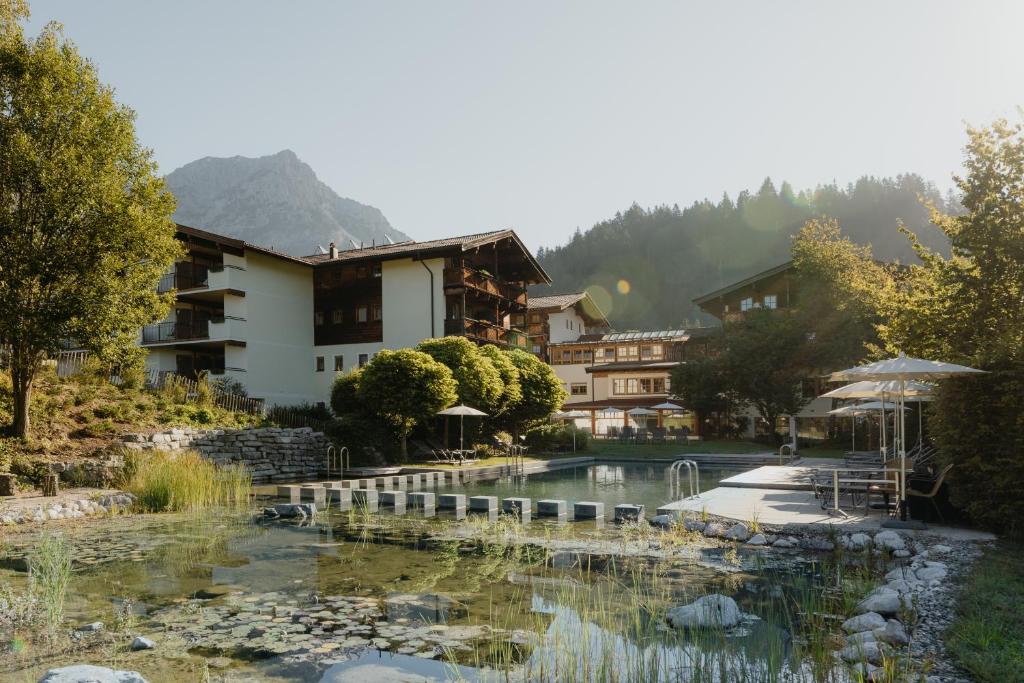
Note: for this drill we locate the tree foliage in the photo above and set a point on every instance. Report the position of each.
(85, 229)
(479, 382)
(345, 393)
(512, 392)
(404, 388)
(702, 387)
(710, 244)
(541, 392)
(969, 309)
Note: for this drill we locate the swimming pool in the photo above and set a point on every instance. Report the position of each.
(609, 483)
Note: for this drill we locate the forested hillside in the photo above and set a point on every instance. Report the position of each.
(644, 266)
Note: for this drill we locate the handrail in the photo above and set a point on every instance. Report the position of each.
(339, 457)
(692, 477)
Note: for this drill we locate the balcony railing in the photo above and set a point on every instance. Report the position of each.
(482, 282)
(483, 330)
(185, 275)
(175, 331)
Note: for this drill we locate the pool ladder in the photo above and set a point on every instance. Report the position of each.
(692, 478)
(339, 459)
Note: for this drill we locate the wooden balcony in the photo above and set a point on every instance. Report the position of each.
(480, 282)
(484, 331)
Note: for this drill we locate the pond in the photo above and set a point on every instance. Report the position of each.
(612, 483)
(355, 597)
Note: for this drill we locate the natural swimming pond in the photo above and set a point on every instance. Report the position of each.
(353, 596)
(609, 483)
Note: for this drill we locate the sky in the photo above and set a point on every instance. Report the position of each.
(544, 116)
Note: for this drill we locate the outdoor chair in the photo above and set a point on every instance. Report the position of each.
(658, 435)
(930, 495)
(626, 435)
(824, 490)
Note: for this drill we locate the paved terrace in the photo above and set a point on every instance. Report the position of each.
(782, 495)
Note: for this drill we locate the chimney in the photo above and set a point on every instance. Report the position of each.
(333, 251)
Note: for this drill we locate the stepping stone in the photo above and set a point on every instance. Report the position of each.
(552, 508)
(422, 500)
(483, 503)
(393, 499)
(517, 505)
(586, 509)
(415, 481)
(342, 498)
(289, 493)
(367, 484)
(317, 494)
(365, 498)
(451, 501)
(384, 483)
(627, 512)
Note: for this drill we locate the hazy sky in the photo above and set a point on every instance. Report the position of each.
(455, 117)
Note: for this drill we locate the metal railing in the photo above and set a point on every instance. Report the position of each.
(837, 484)
(339, 458)
(692, 477)
(175, 331)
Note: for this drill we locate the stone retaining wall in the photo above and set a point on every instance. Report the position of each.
(272, 454)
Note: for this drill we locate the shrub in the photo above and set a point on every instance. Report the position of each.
(556, 437)
(30, 471)
(133, 376)
(184, 481)
(229, 385)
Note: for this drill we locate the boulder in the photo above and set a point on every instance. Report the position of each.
(142, 643)
(883, 600)
(868, 621)
(707, 612)
(694, 525)
(892, 633)
(90, 628)
(86, 673)
(857, 541)
(758, 539)
(932, 571)
(860, 638)
(890, 540)
(870, 652)
(738, 532)
(661, 521)
(300, 510)
(714, 529)
(782, 543)
(940, 549)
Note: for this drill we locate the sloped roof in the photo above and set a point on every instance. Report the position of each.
(646, 335)
(238, 244)
(413, 248)
(559, 301)
(710, 296)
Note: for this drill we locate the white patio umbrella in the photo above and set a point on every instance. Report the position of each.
(462, 411)
(853, 411)
(902, 369)
(882, 389)
(667, 406)
(609, 412)
(642, 412)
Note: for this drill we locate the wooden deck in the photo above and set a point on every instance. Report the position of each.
(769, 506)
(772, 477)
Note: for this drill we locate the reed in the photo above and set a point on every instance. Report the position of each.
(184, 481)
(49, 566)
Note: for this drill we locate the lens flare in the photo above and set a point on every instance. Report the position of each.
(622, 286)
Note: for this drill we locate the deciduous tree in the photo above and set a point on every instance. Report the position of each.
(479, 382)
(404, 388)
(85, 229)
(542, 392)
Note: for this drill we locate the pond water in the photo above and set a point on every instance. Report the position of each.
(612, 484)
(353, 597)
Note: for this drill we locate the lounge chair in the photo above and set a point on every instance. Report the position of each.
(930, 495)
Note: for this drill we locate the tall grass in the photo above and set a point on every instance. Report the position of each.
(184, 481)
(49, 566)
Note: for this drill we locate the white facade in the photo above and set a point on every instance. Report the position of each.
(575, 376)
(565, 326)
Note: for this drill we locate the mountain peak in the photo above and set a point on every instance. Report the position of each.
(275, 201)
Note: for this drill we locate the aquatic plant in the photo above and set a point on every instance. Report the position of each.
(49, 566)
(184, 481)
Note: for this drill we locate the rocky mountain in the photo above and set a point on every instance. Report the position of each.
(274, 201)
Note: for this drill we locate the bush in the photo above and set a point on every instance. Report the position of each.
(556, 437)
(30, 471)
(229, 385)
(363, 435)
(183, 481)
(978, 425)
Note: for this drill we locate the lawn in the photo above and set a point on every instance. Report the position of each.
(987, 634)
(613, 449)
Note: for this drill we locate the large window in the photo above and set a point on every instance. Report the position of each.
(578, 389)
(624, 386)
(364, 358)
(361, 313)
(319, 363)
(771, 301)
(747, 304)
(339, 363)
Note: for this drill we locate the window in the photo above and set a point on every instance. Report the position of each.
(376, 270)
(645, 385)
(578, 355)
(318, 318)
(609, 353)
(746, 304)
(336, 316)
(567, 325)
(319, 363)
(618, 386)
(657, 351)
(339, 363)
(659, 385)
(578, 389)
(771, 301)
(361, 313)
(536, 349)
(586, 355)
(645, 353)
(535, 317)
(631, 385)
(364, 358)
(375, 312)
